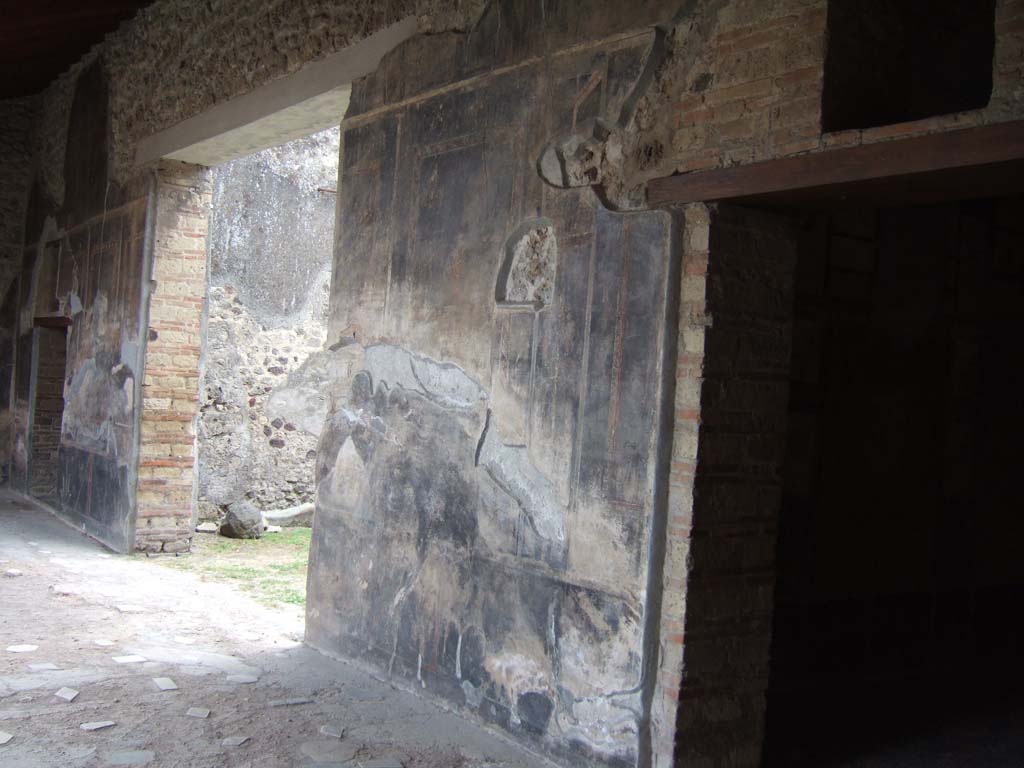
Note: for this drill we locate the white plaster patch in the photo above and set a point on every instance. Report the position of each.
(444, 383)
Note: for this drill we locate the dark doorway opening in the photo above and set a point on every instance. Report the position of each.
(50, 355)
(899, 621)
(893, 61)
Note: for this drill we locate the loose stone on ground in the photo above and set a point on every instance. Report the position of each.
(97, 725)
(334, 731)
(290, 702)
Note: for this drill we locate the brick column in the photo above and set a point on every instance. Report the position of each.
(690, 351)
(725, 487)
(170, 389)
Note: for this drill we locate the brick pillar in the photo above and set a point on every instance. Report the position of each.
(170, 389)
(725, 487)
(690, 350)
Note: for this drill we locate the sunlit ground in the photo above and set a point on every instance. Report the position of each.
(271, 569)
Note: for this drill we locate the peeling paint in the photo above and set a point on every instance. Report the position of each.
(512, 470)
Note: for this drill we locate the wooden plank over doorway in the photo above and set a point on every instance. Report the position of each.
(966, 157)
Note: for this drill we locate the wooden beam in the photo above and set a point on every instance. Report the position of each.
(835, 172)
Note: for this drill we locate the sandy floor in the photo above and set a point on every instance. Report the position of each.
(81, 607)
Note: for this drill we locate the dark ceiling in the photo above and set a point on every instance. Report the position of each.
(40, 39)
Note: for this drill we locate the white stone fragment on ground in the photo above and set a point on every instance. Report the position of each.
(234, 741)
(273, 529)
(243, 679)
(130, 608)
(45, 552)
(207, 527)
(104, 643)
(97, 725)
(45, 666)
(165, 684)
(25, 648)
(184, 640)
(130, 659)
(68, 694)
(200, 712)
(33, 543)
(381, 762)
(334, 731)
(129, 757)
(290, 702)
(5, 737)
(12, 573)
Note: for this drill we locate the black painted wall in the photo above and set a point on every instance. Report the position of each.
(84, 260)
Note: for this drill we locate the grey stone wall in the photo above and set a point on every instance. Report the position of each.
(270, 238)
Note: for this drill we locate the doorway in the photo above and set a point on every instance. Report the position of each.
(50, 357)
(898, 634)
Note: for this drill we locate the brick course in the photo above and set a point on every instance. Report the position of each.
(754, 92)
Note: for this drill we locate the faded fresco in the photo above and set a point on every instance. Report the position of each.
(488, 471)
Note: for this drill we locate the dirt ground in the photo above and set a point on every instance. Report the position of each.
(206, 625)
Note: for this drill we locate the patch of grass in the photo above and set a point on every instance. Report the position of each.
(272, 569)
